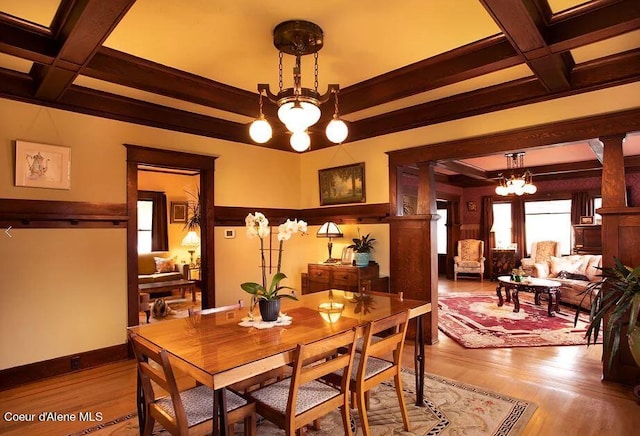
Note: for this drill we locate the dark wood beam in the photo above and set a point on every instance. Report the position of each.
(535, 136)
(554, 169)
(612, 71)
(127, 70)
(464, 169)
(472, 60)
(26, 41)
(523, 25)
(86, 27)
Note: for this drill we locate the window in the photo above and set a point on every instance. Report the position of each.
(152, 222)
(145, 225)
(441, 231)
(502, 224)
(597, 204)
(548, 220)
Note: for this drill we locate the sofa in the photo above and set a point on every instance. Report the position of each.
(157, 266)
(574, 272)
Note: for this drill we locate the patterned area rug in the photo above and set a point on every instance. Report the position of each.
(451, 408)
(475, 321)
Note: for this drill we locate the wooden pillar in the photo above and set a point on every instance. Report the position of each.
(413, 253)
(614, 192)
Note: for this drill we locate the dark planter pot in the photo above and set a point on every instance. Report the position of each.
(269, 309)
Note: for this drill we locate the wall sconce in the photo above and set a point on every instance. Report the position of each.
(330, 230)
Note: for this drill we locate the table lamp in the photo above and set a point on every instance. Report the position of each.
(191, 241)
(330, 230)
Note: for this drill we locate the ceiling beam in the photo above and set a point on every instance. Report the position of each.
(82, 32)
(523, 25)
(612, 71)
(464, 169)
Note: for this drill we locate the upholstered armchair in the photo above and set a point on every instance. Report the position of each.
(541, 253)
(470, 258)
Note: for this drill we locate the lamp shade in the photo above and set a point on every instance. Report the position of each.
(192, 240)
(329, 230)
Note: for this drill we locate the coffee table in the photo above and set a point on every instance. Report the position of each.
(181, 284)
(529, 284)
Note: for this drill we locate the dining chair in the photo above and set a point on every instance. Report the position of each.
(470, 258)
(379, 360)
(183, 410)
(304, 397)
(365, 288)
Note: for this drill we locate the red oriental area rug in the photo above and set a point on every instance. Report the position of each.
(476, 321)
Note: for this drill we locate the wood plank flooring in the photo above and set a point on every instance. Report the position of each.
(564, 382)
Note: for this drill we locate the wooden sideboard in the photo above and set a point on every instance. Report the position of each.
(587, 239)
(323, 276)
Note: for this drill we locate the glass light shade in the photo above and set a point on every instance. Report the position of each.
(337, 131)
(518, 183)
(191, 240)
(329, 230)
(530, 189)
(519, 190)
(330, 311)
(502, 190)
(297, 117)
(300, 141)
(260, 130)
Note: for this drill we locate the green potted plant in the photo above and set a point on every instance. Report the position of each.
(362, 247)
(268, 297)
(621, 286)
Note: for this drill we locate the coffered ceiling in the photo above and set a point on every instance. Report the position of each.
(193, 66)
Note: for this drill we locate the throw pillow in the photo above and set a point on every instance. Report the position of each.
(572, 276)
(164, 265)
(545, 250)
(470, 249)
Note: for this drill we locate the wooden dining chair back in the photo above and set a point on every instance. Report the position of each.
(181, 410)
(366, 289)
(380, 360)
(304, 397)
(239, 305)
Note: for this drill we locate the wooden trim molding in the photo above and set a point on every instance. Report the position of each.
(357, 214)
(31, 372)
(36, 214)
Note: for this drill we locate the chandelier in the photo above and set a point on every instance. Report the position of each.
(298, 107)
(516, 184)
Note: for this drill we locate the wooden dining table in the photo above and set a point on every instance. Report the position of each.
(217, 352)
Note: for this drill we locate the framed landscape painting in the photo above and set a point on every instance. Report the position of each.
(341, 185)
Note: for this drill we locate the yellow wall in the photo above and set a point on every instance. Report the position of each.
(69, 276)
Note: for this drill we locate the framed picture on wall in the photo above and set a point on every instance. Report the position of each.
(42, 165)
(342, 185)
(472, 206)
(586, 220)
(179, 211)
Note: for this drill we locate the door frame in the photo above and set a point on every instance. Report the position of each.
(137, 155)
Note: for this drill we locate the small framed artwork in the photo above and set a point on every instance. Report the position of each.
(43, 165)
(342, 185)
(586, 220)
(179, 211)
(471, 206)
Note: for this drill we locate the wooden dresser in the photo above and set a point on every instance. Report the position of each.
(323, 276)
(587, 239)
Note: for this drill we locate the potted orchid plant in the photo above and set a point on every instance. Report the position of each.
(268, 297)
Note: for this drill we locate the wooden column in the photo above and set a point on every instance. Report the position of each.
(614, 193)
(413, 253)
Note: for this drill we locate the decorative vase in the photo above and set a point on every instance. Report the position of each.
(269, 309)
(362, 259)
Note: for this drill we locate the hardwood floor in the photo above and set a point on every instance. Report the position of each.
(564, 382)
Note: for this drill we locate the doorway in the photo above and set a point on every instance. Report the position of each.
(173, 160)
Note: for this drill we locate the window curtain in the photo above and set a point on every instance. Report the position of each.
(518, 226)
(159, 233)
(486, 222)
(581, 205)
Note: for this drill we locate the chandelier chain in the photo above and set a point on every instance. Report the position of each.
(280, 81)
(335, 101)
(315, 81)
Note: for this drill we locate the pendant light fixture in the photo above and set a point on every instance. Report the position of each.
(516, 184)
(298, 107)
